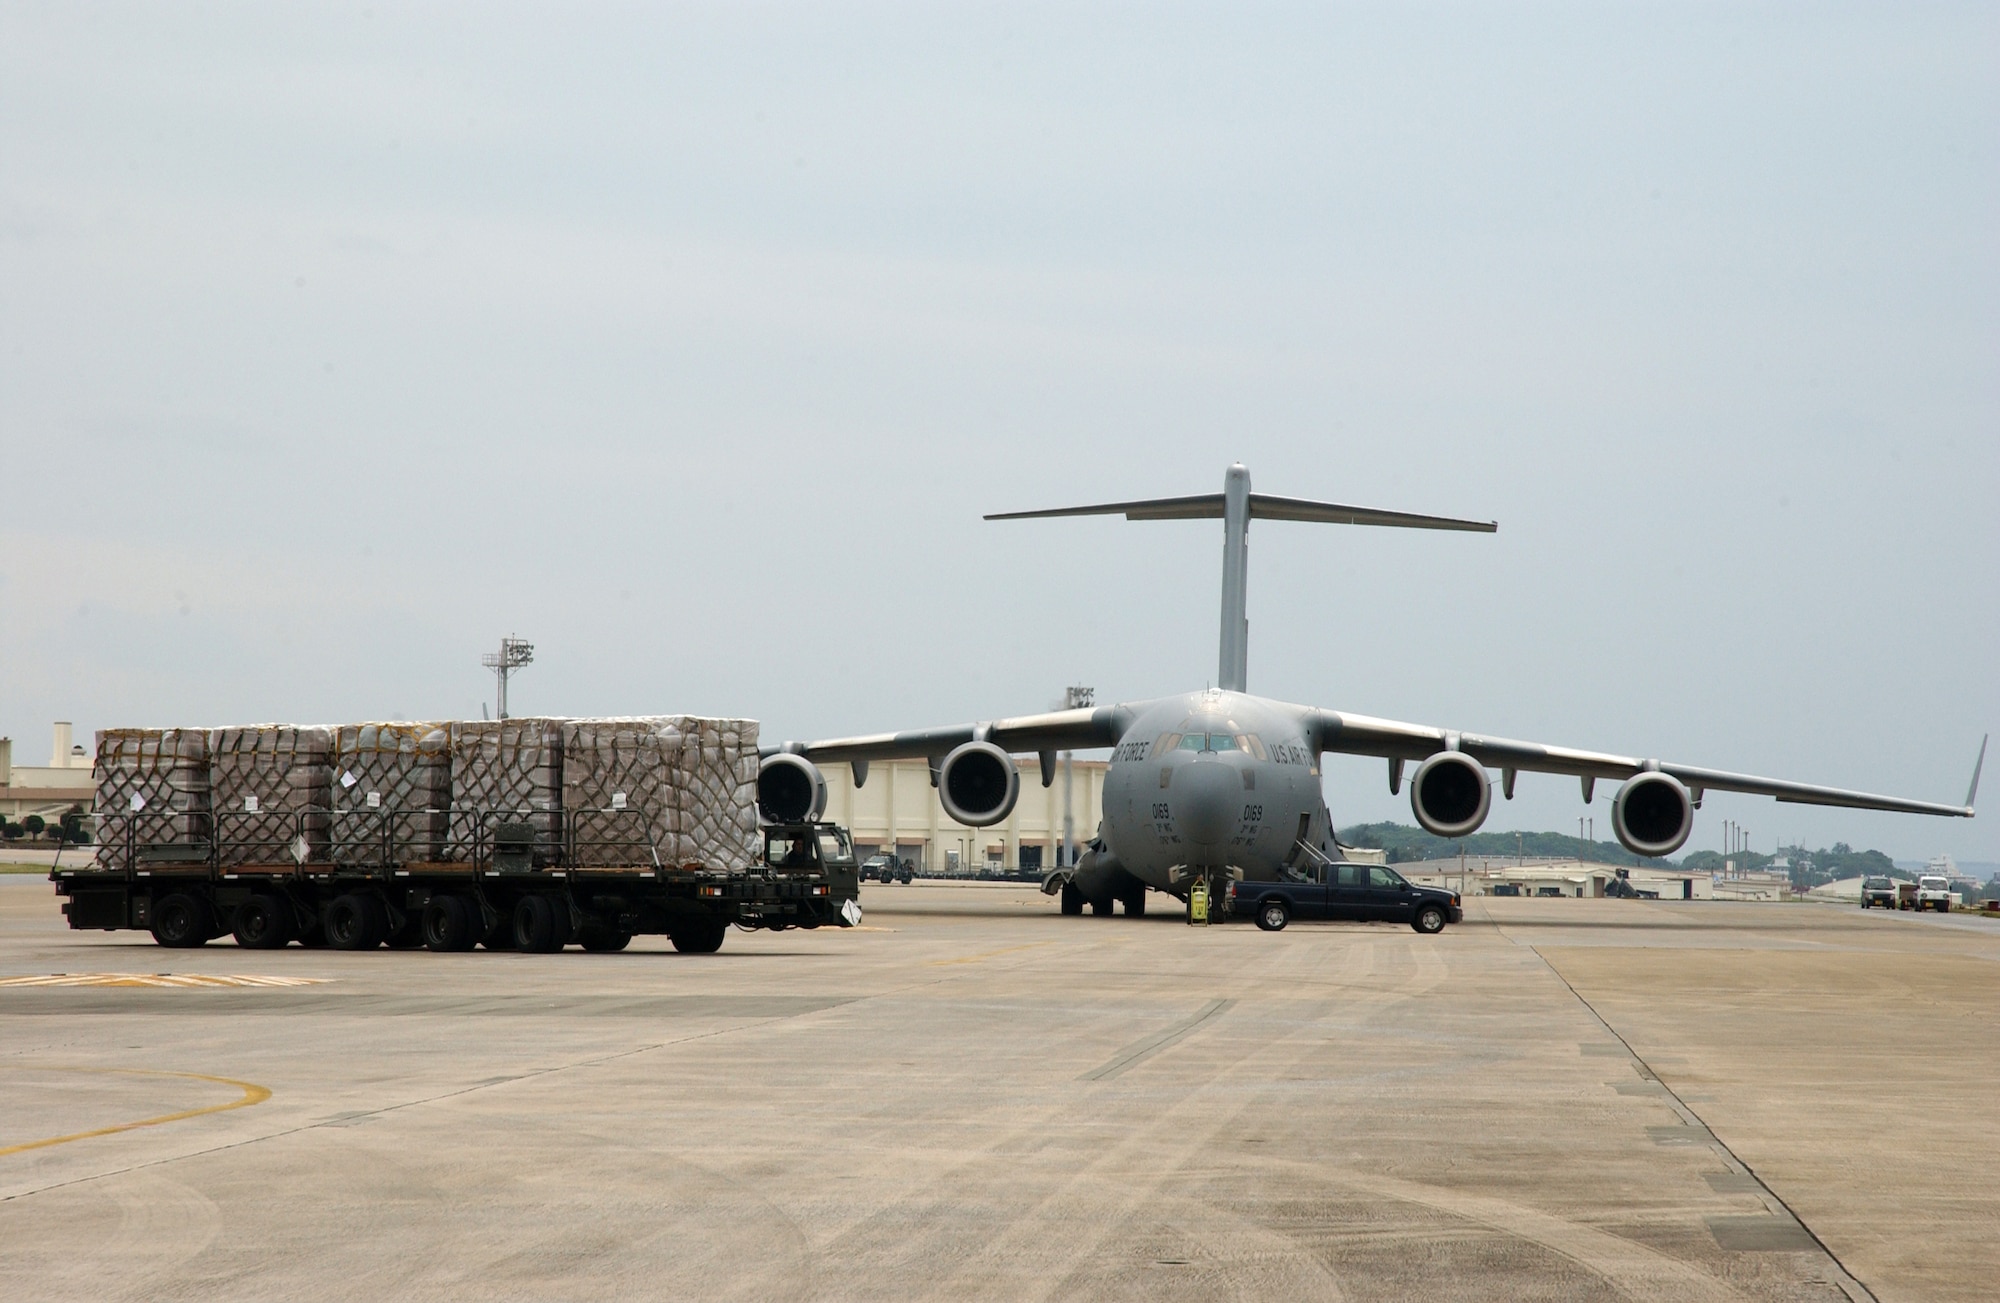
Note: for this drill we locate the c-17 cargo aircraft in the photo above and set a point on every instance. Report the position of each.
(1220, 784)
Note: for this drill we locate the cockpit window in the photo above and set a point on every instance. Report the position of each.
(1211, 742)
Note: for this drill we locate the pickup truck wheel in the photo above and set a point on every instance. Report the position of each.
(536, 927)
(181, 921)
(699, 937)
(263, 923)
(356, 921)
(1429, 920)
(448, 925)
(1072, 899)
(1272, 916)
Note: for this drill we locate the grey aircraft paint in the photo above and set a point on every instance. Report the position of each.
(1222, 783)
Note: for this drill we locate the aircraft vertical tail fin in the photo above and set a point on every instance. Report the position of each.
(1236, 506)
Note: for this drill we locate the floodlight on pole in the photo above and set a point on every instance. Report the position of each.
(513, 654)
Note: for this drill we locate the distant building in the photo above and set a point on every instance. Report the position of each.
(49, 789)
(1573, 878)
(897, 810)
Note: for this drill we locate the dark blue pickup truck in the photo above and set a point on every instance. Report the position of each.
(1357, 892)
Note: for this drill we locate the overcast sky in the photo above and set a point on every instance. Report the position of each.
(690, 343)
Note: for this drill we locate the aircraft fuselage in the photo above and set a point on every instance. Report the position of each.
(1212, 781)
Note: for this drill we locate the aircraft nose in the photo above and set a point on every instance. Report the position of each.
(1204, 800)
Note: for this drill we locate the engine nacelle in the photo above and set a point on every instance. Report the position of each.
(978, 784)
(790, 789)
(1450, 794)
(1652, 815)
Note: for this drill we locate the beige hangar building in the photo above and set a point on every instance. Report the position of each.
(897, 809)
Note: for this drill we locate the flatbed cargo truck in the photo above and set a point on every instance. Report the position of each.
(514, 880)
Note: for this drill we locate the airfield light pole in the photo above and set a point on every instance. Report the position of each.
(513, 654)
(1075, 697)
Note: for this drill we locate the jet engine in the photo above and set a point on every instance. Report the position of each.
(1450, 794)
(1652, 815)
(977, 784)
(790, 789)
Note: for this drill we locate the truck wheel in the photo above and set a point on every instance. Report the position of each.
(601, 941)
(537, 929)
(1072, 899)
(263, 923)
(356, 921)
(1272, 916)
(699, 937)
(448, 924)
(1429, 920)
(181, 921)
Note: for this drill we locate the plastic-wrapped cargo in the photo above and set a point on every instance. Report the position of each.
(270, 786)
(506, 766)
(152, 787)
(395, 777)
(716, 775)
(686, 785)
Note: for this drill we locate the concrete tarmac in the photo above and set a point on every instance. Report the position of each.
(974, 1098)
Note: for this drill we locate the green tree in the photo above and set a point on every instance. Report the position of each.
(33, 825)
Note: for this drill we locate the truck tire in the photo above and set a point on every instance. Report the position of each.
(356, 921)
(602, 940)
(1272, 916)
(449, 925)
(182, 921)
(1430, 919)
(263, 923)
(540, 926)
(1072, 899)
(699, 936)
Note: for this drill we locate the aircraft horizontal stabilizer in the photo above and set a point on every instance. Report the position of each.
(1263, 506)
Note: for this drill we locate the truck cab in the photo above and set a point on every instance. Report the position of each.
(815, 848)
(1934, 892)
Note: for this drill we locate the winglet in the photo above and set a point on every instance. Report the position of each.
(1972, 792)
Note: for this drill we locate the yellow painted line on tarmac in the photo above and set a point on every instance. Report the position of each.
(252, 1094)
(183, 980)
(990, 954)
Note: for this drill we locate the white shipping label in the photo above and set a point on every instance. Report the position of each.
(138, 802)
(249, 805)
(301, 849)
(374, 800)
(617, 800)
(347, 778)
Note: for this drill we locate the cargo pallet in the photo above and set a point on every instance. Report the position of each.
(530, 880)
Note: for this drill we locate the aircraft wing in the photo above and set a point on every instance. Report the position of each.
(1364, 735)
(1059, 730)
